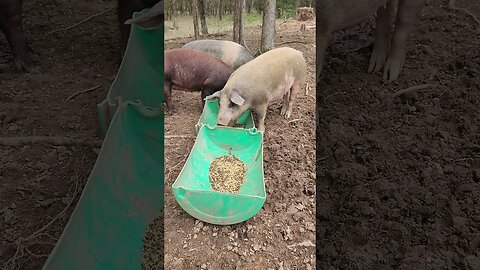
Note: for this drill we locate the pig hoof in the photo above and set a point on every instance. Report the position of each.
(33, 56)
(377, 61)
(31, 69)
(392, 70)
(288, 114)
(26, 65)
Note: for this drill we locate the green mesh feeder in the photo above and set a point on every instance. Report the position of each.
(193, 190)
(210, 114)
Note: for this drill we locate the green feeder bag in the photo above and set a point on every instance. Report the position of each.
(140, 76)
(124, 192)
(192, 188)
(122, 196)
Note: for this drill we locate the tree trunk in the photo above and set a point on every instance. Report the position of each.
(185, 8)
(172, 10)
(268, 26)
(203, 21)
(220, 10)
(249, 6)
(196, 30)
(241, 33)
(238, 21)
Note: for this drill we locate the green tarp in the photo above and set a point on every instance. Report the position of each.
(125, 189)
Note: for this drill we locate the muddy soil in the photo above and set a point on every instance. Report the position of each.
(399, 183)
(282, 234)
(152, 249)
(37, 182)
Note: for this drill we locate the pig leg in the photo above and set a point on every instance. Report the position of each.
(286, 97)
(293, 95)
(406, 16)
(168, 97)
(261, 113)
(205, 93)
(287, 90)
(11, 26)
(322, 43)
(382, 37)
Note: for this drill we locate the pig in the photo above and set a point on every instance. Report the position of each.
(273, 75)
(11, 25)
(125, 10)
(231, 53)
(388, 53)
(192, 70)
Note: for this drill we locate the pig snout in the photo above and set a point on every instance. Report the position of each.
(226, 123)
(228, 117)
(223, 120)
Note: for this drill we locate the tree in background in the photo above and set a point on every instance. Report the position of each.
(196, 30)
(169, 9)
(239, 22)
(203, 21)
(220, 10)
(249, 6)
(268, 26)
(243, 11)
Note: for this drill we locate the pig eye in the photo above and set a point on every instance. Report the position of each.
(232, 105)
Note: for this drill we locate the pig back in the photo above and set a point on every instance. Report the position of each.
(269, 69)
(231, 53)
(192, 68)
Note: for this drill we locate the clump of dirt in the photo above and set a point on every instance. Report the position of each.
(152, 250)
(398, 183)
(227, 174)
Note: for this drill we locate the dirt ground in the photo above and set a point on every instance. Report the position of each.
(282, 234)
(399, 183)
(38, 181)
(41, 178)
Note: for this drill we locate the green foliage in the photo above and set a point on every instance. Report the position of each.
(253, 17)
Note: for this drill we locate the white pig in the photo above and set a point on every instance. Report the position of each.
(276, 74)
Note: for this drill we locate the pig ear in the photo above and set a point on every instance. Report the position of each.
(212, 96)
(236, 98)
